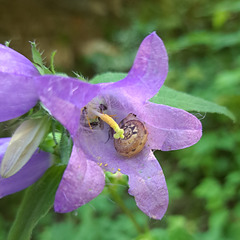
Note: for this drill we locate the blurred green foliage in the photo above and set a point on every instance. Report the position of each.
(203, 42)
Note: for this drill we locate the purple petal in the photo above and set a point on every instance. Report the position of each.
(15, 63)
(17, 89)
(17, 95)
(29, 174)
(169, 128)
(3, 146)
(147, 184)
(149, 70)
(64, 97)
(82, 181)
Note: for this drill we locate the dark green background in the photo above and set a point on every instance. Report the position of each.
(203, 42)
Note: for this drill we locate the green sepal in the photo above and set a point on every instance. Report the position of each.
(37, 60)
(7, 43)
(52, 62)
(36, 55)
(37, 201)
(65, 146)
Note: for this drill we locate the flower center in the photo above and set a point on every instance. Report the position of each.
(119, 133)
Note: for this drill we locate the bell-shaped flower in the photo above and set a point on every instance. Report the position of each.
(119, 112)
(29, 173)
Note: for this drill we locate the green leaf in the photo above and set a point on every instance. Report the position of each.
(173, 98)
(37, 201)
(170, 97)
(108, 77)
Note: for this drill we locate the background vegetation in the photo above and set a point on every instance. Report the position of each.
(202, 39)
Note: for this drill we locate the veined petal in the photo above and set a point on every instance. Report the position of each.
(82, 181)
(15, 63)
(149, 70)
(17, 95)
(169, 128)
(29, 174)
(147, 184)
(64, 97)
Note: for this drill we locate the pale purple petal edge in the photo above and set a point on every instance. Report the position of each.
(169, 128)
(149, 70)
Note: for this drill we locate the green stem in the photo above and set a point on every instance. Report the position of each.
(121, 204)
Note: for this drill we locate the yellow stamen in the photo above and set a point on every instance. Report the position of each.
(107, 119)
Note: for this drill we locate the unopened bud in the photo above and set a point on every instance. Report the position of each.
(23, 144)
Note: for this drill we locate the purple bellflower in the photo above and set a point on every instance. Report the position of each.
(81, 108)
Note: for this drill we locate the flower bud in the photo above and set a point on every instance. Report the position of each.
(23, 144)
